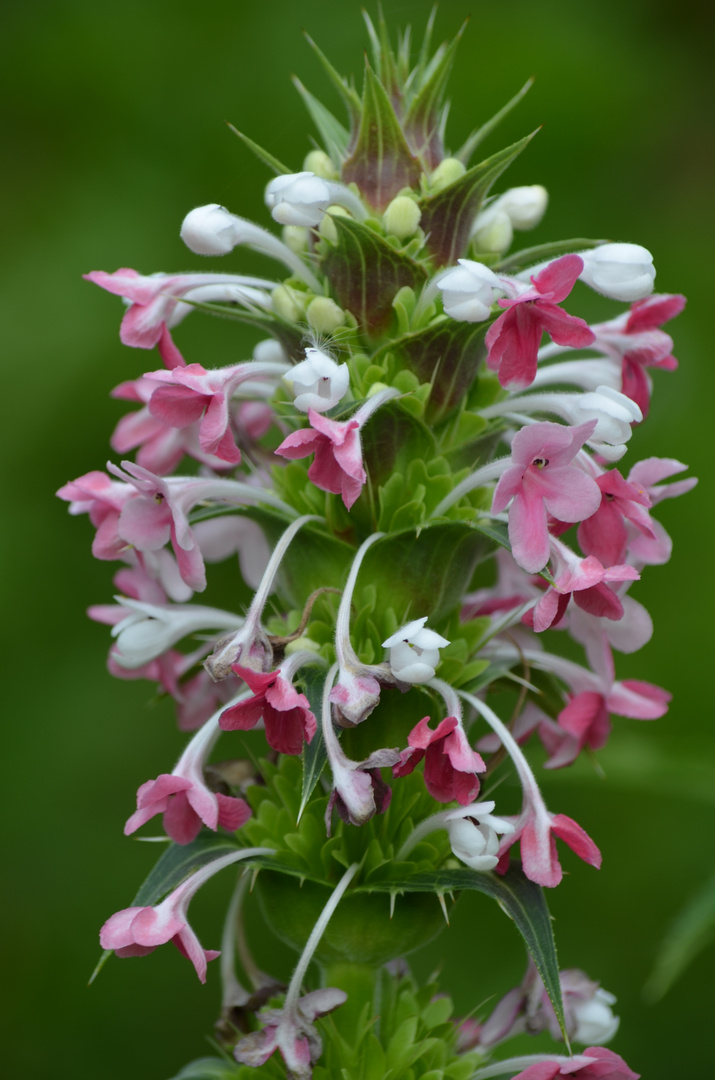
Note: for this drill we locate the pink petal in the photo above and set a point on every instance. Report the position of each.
(577, 839)
(528, 534)
(559, 277)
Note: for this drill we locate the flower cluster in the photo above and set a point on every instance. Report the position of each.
(402, 426)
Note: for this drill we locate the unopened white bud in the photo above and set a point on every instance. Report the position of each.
(209, 230)
(402, 217)
(467, 291)
(295, 237)
(287, 303)
(525, 206)
(493, 231)
(269, 351)
(619, 271)
(324, 316)
(448, 170)
(318, 162)
(298, 199)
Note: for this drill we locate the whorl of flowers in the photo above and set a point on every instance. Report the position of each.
(420, 406)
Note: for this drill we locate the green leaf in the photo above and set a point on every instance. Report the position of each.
(447, 216)
(347, 93)
(381, 162)
(421, 121)
(177, 862)
(448, 355)
(692, 931)
(392, 439)
(365, 273)
(208, 1069)
(541, 252)
(334, 135)
(425, 571)
(287, 333)
(314, 753)
(314, 557)
(480, 134)
(263, 155)
(523, 902)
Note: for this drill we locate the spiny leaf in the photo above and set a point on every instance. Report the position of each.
(334, 135)
(541, 252)
(421, 121)
(381, 162)
(393, 439)
(478, 136)
(523, 902)
(447, 216)
(365, 273)
(448, 355)
(347, 93)
(177, 862)
(264, 155)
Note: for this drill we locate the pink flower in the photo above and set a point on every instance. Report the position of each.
(156, 303)
(337, 466)
(636, 340)
(596, 1063)
(450, 763)
(137, 931)
(587, 715)
(513, 340)
(605, 533)
(542, 479)
(191, 394)
(103, 499)
(183, 797)
(287, 715)
(293, 1033)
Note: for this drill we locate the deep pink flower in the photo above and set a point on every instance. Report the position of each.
(450, 763)
(286, 713)
(183, 797)
(543, 479)
(596, 1063)
(513, 340)
(605, 533)
(337, 466)
(635, 338)
(137, 931)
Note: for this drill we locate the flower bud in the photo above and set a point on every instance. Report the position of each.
(327, 227)
(324, 316)
(295, 237)
(286, 303)
(402, 217)
(318, 382)
(467, 291)
(269, 351)
(619, 271)
(318, 162)
(493, 231)
(414, 652)
(524, 206)
(448, 170)
(208, 230)
(298, 199)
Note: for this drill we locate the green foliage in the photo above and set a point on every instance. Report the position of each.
(512, 264)
(366, 272)
(447, 216)
(692, 931)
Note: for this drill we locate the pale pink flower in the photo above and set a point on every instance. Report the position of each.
(596, 1063)
(513, 340)
(137, 931)
(543, 479)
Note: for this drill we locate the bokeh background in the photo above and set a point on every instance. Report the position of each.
(113, 120)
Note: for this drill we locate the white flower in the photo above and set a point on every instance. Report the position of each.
(414, 652)
(298, 199)
(525, 206)
(150, 629)
(474, 838)
(619, 271)
(318, 382)
(467, 291)
(595, 1022)
(613, 410)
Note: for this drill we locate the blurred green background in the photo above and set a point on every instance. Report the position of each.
(113, 127)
